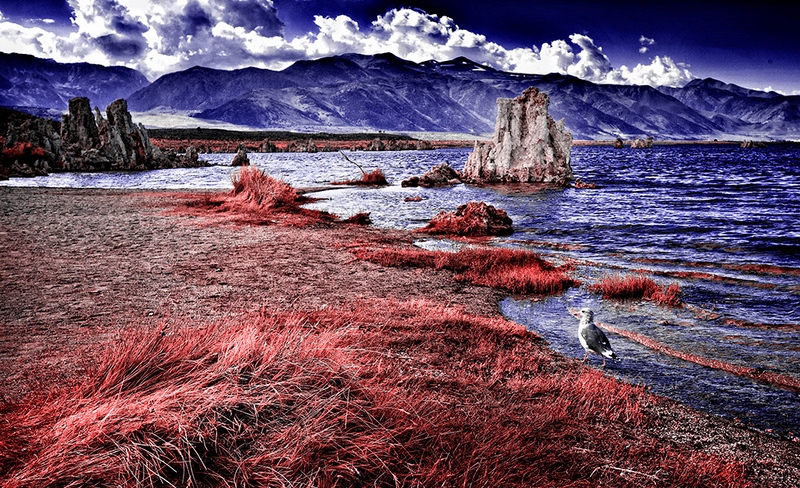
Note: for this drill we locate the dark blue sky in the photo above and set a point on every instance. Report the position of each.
(755, 45)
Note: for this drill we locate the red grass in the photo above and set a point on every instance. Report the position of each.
(638, 287)
(255, 189)
(373, 178)
(256, 199)
(389, 394)
(518, 272)
(24, 152)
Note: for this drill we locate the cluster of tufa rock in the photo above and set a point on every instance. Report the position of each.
(642, 143)
(528, 146)
(87, 141)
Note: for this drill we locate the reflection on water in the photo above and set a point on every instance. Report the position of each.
(701, 210)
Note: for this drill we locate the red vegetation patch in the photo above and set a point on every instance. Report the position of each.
(637, 287)
(373, 178)
(390, 394)
(515, 271)
(473, 219)
(777, 379)
(24, 152)
(254, 189)
(361, 218)
(258, 199)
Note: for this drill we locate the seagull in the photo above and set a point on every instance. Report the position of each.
(592, 338)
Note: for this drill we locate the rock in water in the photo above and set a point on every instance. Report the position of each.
(473, 219)
(241, 158)
(528, 146)
(441, 175)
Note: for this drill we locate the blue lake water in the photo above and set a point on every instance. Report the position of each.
(684, 208)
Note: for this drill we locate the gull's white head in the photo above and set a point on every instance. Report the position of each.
(587, 315)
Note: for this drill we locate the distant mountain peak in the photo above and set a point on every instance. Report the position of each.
(383, 91)
(44, 83)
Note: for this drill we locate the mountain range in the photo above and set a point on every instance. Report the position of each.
(384, 92)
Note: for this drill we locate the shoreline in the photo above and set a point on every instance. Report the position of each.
(80, 266)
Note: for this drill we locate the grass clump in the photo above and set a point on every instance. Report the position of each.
(373, 178)
(516, 271)
(638, 287)
(256, 189)
(256, 199)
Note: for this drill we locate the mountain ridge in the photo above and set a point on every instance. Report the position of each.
(385, 92)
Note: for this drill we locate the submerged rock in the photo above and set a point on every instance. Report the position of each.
(441, 175)
(473, 219)
(528, 146)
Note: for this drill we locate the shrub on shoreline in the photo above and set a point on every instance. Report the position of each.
(518, 272)
(637, 287)
(257, 199)
(254, 188)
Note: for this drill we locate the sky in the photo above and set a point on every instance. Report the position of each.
(625, 42)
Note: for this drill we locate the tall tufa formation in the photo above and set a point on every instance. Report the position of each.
(113, 143)
(528, 146)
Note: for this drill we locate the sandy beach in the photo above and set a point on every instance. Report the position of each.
(80, 268)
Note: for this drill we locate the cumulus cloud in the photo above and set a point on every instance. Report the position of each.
(158, 37)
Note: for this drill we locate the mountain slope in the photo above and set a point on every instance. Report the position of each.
(28, 81)
(384, 92)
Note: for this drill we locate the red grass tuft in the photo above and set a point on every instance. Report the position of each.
(255, 189)
(473, 219)
(373, 178)
(360, 218)
(518, 272)
(637, 287)
(386, 394)
(256, 199)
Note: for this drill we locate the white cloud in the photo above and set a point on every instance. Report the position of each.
(645, 43)
(158, 37)
(662, 71)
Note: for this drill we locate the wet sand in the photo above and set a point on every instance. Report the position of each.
(77, 266)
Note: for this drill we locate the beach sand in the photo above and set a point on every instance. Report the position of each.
(78, 266)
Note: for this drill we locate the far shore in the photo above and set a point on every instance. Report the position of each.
(227, 141)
